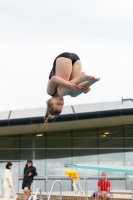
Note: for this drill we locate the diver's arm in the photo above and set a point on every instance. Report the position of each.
(53, 84)
(84, 87)
(63, 86)
(83, 83)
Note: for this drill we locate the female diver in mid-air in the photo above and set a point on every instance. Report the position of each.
(66, 79)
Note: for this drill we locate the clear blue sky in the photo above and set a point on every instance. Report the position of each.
(34, 32)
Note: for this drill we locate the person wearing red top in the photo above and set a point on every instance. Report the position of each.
(103, 187)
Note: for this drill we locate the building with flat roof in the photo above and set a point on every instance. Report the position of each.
(99, 133)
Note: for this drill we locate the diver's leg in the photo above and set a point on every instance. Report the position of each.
(63, 68)
(76, 76)
(76, 70)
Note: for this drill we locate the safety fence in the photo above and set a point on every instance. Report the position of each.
(121, 187)
(39, 182)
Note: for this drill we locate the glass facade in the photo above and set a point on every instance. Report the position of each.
(107, 145)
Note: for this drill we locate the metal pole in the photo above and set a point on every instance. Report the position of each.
(47, 187)
(1, 185)
(53, 188)
(85, 188)
(131, 181)
(35, 196)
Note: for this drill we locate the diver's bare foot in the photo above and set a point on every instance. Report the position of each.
(86, 77)
(91, 82)
(90, 78)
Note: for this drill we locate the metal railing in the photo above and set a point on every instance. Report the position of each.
(131, 184)
(121, 186)
(57, 181)
(39, 182)
(38, 190)
(34, 197)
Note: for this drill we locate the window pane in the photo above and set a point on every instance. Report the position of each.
(129, 157)
(111, 131)
(85, 133)
(9, 141)
(58, 153)
(58, 140)
(9, 154)
(56, 158)
(55, 161)
(108, 142)
(129, 143)
(26, 141)
(39, 142)
(85, 155)
(26, 154)
(31, 154)
(83, 141)
(111, 155)
(128, 131)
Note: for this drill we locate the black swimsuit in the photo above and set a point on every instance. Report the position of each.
(72, 56)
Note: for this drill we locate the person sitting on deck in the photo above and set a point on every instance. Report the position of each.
(103, 187)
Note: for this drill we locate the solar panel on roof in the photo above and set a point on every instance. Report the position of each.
(4, 115)
(80, 108)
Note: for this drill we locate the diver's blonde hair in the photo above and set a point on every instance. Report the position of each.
(51, 112)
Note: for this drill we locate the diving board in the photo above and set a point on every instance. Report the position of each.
(111, 168)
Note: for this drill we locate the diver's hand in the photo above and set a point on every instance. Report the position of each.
(73, 87)
(86, 89)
